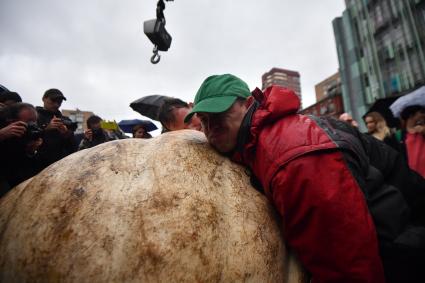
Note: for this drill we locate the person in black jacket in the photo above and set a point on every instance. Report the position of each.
(9, 98)
(95, 134)
(377, 127)
(58, 130)
(20, 139)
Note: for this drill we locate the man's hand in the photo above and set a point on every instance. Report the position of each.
(55, 124)
(88, 135)
(15, 129)
(64, 130)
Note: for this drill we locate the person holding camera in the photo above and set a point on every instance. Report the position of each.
(58, 130)
(95, 135)
(20, 139)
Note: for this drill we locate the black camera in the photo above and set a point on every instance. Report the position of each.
(156, 32)
(72, 126)
(33, 132)
(98, 133)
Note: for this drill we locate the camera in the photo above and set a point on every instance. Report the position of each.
(72, 126)
(33, 132)
(158, 35)
(98, 134)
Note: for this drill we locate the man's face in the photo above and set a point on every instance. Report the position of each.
(95, 126)
(28, 115)
(416, 123)
(221, 129)
(52, 105)
(179, 124)
(9, 102)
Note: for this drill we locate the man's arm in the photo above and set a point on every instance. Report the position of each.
(326, 219)
(85, 143)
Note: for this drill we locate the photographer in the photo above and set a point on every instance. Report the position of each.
(20, 138)
(58, 130)
(96, 134)
(8, 98)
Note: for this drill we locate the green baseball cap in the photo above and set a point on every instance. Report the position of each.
(217, 94)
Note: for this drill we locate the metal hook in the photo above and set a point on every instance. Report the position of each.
(156, 57)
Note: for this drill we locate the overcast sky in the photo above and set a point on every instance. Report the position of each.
(96, 53)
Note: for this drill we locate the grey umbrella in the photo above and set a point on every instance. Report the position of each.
(149, 105)
(416, 97)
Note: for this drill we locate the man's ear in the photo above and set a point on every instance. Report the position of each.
(190, 104)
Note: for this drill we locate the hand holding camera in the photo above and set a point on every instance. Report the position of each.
(64, 126)
(55, 124)
(29, 133)
(88, 135)
(15, 129)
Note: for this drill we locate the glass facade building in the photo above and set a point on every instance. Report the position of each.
(381, 50)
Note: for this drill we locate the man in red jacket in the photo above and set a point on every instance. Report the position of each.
(303, 170)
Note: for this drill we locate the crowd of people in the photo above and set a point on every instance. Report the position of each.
(352, 204)
(408, 139)
(32, 138)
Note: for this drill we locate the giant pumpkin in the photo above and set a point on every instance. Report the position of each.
(168, 209)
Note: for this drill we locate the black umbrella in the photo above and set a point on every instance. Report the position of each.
(382, 106)
(3, 89)
(149, 105)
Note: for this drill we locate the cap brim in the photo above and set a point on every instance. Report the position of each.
(56, 97)
(211, 105)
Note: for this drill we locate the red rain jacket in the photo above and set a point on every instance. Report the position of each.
(324, 212)
(415, 145)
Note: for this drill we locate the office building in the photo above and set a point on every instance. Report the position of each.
(381, 47)
(286, 78)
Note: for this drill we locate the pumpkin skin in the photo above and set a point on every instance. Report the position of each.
(167, 209)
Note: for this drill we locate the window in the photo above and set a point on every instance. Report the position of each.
(366, 80)
(378, 15)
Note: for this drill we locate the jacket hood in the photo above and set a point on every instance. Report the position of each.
(271, 105)
(275, 103)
